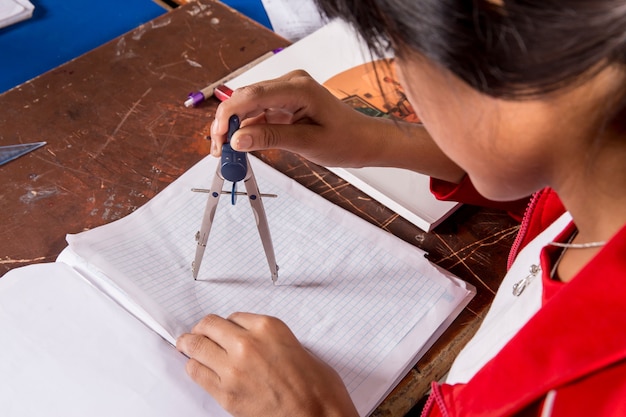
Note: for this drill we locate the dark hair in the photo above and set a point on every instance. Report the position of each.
(507, 49)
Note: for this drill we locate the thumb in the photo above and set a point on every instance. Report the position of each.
(309, 141)
(267, 136)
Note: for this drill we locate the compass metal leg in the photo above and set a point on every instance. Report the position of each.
(207, 221)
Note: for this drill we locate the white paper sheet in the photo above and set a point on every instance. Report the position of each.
(13, 11)
(68, 351)
(358, 297)
(293, 20)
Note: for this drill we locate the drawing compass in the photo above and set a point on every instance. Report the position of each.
(11, 152)
(234, 166)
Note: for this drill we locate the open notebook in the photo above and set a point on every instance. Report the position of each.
(337, 58)
(79, 336)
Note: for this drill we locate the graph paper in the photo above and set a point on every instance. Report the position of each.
(356, 296)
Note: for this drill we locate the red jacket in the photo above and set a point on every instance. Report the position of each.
(570, 357)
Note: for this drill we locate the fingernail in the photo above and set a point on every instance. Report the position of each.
(243, 142)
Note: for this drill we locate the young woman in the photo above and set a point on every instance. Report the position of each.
(517, 98)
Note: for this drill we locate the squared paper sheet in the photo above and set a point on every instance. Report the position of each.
(358, 297)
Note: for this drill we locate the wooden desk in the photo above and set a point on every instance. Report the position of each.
(118, 133)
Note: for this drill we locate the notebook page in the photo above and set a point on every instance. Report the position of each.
(350, 291)
(67, 351)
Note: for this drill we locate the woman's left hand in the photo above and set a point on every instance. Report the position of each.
(253, 365)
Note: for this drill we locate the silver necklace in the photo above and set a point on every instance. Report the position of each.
(577, 245)
(570, 245)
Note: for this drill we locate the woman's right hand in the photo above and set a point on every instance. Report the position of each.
(297, 114)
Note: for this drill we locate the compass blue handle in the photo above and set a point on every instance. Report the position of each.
(234, 164)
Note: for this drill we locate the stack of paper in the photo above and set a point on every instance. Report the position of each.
(13, 11)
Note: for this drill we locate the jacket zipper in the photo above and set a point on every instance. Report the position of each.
(434, 397)
(515, 248)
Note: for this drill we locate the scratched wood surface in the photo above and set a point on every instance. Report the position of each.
(118, 134)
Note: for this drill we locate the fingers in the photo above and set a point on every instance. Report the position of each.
(253, 365)
(285, 100)
(202, 343)
(310, 141)
(292, 137)
(205, 347)
(204, 339)
(254, 99)
(261, 326)
(213, 337)
(203, 375)
(215, 327)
